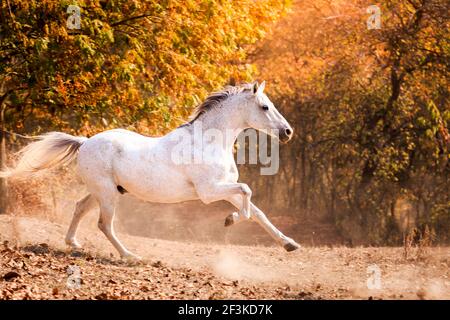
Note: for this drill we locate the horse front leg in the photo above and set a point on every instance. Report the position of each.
(211, 192)
(259, 216)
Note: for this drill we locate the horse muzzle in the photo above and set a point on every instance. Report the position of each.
(285, 134)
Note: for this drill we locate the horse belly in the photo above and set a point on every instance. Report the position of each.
(156, 184)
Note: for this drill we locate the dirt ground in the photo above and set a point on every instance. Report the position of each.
(36, 264)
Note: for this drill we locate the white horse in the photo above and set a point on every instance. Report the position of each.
(118, 161)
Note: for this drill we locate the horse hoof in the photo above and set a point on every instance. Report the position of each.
(74, 245)
(229, 220)
(291, 246)
(131, 257)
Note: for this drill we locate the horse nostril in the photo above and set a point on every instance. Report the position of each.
(288, 131)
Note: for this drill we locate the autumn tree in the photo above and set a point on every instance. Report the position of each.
(371, 113)
(142, 65)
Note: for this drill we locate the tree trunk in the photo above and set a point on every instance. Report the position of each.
(3, 185)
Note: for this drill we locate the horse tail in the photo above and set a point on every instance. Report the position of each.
(51, 150)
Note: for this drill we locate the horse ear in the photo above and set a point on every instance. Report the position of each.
(261, 87)
(255, 86)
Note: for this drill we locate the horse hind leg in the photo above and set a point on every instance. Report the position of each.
(81, 209)
(106, 225)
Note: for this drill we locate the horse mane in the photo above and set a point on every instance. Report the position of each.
(215, 99)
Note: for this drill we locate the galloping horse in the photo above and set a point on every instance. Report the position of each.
(118, 161)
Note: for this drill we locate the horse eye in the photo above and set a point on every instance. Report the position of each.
(265, 107)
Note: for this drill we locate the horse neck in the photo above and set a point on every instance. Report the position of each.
(225, 118)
